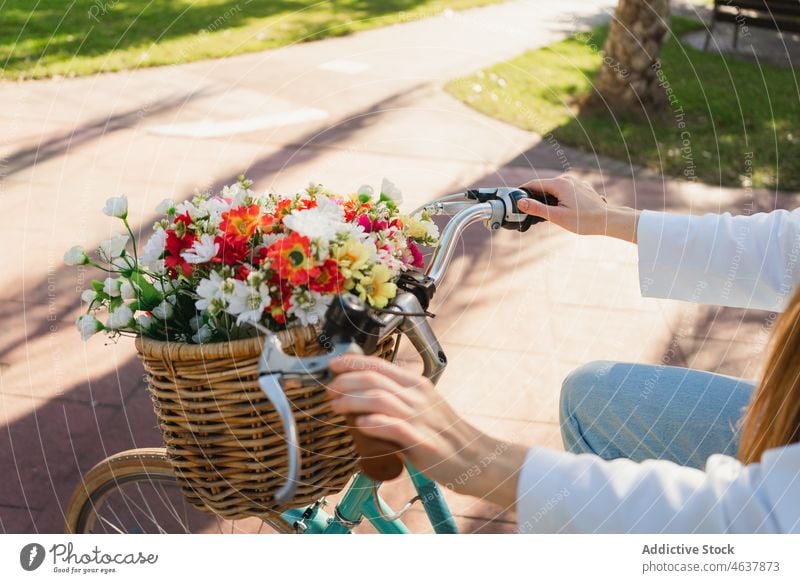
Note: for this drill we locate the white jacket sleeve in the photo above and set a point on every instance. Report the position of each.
(750, 261)
(564, 492)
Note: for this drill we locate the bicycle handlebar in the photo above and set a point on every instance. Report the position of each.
(381, 460)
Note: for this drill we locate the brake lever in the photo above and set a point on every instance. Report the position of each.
(278, 372)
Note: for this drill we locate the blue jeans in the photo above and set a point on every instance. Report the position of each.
(635, 411)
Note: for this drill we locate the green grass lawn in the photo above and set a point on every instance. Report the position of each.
(42, 38)
(742, 121)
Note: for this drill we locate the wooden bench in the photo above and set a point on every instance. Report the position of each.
(780, 15)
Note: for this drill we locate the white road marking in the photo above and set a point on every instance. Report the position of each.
(216, 129)
(345, 66)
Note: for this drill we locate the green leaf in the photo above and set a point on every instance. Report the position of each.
(149, 296)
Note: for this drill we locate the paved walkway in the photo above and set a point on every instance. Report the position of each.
(517, 313)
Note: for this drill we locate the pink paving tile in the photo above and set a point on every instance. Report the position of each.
(17, 520)
(44, 447)
(48, 449)
(46, 358)
(503, 384)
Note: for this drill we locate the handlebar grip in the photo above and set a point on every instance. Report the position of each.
(542, 197)
(380, 459)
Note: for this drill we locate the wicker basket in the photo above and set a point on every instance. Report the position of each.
(225, 439)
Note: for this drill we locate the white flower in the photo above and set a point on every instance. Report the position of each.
(144, 321)
(152, 251)
(189, 207)
(203, 333)
(320, 223)
(210, 292)
(89, 295)
(117, 206)
(309, 307)
(203, 250)
(389, 189)
(215, 206)
(247, 303)
(239, 196)
(76, 256)
(120, 318)
(163, 311)
(88, 326)
(364, 189)
(111, 287)
(166, 207)
(113, 247)
(127, 291)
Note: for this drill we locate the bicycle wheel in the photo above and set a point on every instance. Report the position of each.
(135, 491)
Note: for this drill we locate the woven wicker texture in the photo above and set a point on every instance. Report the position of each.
(225, 439)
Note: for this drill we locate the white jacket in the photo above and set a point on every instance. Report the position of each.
(744, 261)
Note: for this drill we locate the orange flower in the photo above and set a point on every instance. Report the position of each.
(291, 258)
(243, 221)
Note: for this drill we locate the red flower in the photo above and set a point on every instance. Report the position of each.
(280, 301)
(259, 256)
(242, 272)
(308, 203)
(353, 207)
(232, 249)
(329, 279)
(283, 209)
(179, 238)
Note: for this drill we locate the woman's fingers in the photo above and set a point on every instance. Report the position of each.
(388, 428)
(367, 392)
(538, 209)
(360, 362)
(554, 186)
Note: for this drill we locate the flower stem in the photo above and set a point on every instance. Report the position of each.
(133, 240)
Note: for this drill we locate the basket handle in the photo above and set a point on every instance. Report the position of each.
(272, 389)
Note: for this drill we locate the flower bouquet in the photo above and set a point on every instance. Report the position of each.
(217, 264)
(219, 269)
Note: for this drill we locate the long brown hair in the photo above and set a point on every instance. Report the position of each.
(773, 416)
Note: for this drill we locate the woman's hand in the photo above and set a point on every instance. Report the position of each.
(403, 407)
(581, 209)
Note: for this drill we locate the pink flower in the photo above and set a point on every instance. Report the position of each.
(416, 254)
(365, 223)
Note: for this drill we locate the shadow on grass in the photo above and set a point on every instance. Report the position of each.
(55, 31)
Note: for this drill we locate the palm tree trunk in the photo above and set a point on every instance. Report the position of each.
(628, 81)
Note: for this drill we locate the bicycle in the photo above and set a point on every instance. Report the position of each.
(136, 490)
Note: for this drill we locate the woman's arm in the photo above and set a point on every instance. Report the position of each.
(746, 261)
(403, 407)
(562, 492)
(750, 261)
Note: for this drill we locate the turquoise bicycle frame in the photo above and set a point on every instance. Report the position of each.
(359, 503)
